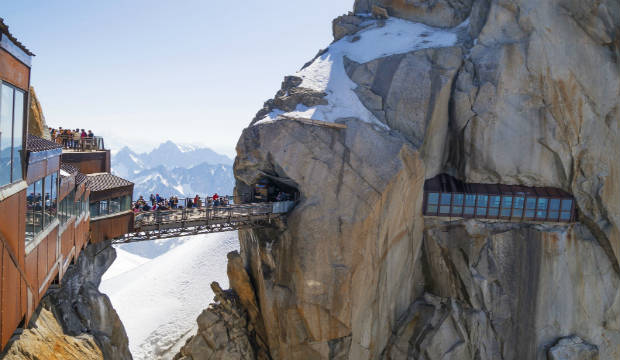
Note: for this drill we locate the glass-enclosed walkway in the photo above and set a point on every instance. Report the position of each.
(446, 196)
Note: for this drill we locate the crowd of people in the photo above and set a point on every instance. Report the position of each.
(70, 139)
(156, 202)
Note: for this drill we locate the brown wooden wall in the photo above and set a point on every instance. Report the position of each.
(111, 227)
(88, 162)
(13, 71)
(23, 274)
(13, 294)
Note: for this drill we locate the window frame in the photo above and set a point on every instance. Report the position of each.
(14, 178)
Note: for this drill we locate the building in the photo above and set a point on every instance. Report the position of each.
(45, 198)
(110, 206)
(17, 297)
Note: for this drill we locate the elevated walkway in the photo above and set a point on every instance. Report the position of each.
(194, 221)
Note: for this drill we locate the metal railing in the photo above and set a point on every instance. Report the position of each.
(206, 215)
(69, 142)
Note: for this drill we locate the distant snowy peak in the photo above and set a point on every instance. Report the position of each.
(326, 74)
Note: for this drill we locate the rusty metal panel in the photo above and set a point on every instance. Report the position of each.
(42, 262)
(110, 228)
(53, 164)
(13, 71)
(52, 245)
(10, 221)
(36, 171)
(10, 297)
(66, 240)
(31, 269)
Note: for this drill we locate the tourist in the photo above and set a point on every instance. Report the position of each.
(197, 201)
(152, 198)
(90, 134)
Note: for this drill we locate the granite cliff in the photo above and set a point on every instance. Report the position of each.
(75, 320)
(495, 91)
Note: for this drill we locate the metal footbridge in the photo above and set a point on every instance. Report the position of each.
(152, 225)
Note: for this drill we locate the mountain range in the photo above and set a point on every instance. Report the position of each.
(172, 169)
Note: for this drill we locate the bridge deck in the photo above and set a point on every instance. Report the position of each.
(185, 222)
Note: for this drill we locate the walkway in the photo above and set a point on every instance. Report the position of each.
(186, 222)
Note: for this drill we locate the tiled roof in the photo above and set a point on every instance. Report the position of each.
(72, 170)
(4, 28)
(36, 144)
(80, 178)
(106, 181)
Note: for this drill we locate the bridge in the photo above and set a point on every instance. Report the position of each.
(152, 225)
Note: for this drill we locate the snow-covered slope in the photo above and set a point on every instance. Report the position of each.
(159, 299)
(327, 73)
(172, 169)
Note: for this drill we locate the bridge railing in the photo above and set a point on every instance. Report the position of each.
(230, 212)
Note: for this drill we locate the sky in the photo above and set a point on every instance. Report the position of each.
(141, 72)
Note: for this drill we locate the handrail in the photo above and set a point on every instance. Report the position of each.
(83, 144)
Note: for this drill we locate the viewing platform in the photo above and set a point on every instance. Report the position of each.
(194, 221)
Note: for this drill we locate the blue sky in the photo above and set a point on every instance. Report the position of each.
(140, 72)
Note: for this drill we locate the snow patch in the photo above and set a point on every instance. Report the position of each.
(158, 300)
(327, 74)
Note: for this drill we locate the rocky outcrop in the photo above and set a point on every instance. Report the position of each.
(440, 13)
(529, 95)
(573, 348)
(84, 314)
(289, 96)
(45, 340)
(222, 331)
(36, 119)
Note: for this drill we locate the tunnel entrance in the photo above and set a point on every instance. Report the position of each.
(272, 189)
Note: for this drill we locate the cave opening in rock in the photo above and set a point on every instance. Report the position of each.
(271, 188)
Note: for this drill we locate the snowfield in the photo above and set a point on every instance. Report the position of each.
(327, 74)
(159, 299)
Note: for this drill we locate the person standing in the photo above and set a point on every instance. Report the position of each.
(152, 198)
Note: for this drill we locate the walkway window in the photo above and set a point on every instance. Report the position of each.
(449, 197)
(470, 203)
(494, 203)
(11, 134)
(517, 211)
(457, 204)
(506, 206)
(541, 213)
(433, 202)
(446, 199)
(530, 207)
(481, 209)
(110, 206)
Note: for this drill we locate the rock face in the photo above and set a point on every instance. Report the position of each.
(46, 340)
(36, 119)
(222, 331)
(530, 95)
(76, 318)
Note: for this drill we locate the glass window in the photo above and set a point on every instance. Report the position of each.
(481, 211)
(470, 199)
(433, 198)
(483, 200)
(567, 205)
(457, 199)
(30, 211)
(553, 214)
(445, 203)
(493, 212)
(94, 209)
(506, 206)
(18, 127)
(530, 207)
(6, 130)
(518, 206)
(494, 201)
(469, 211)
(565, 216)
(554, 204)
(541, 213)
(115, 205)
(103, 207)
(126, 203)
(38, 207)
(457, 210)
(431, 209)
(51, 197)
